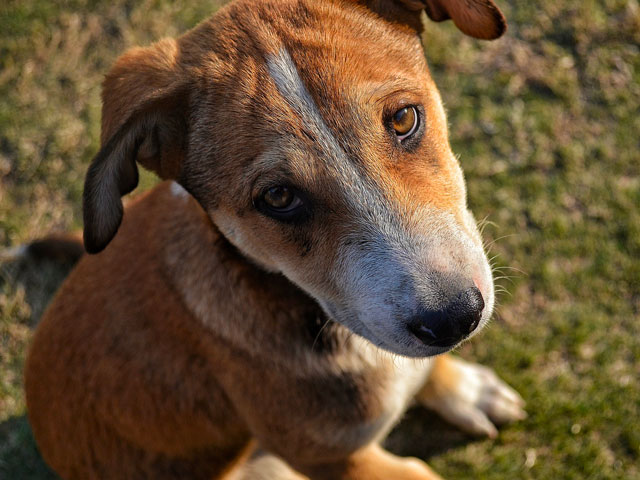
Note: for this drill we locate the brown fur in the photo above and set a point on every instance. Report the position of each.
(195, 336)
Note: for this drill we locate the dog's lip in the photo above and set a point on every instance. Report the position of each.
(408, 346)
(426, 351)
(415, 347)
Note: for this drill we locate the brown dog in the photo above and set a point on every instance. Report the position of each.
(270, 312)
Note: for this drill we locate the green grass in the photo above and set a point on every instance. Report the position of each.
(546, 122)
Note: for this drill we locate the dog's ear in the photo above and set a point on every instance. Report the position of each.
(476, 18)
(144, 119)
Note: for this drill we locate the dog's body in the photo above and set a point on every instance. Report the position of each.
(199, 343)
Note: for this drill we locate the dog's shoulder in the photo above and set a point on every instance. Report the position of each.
(164, 220)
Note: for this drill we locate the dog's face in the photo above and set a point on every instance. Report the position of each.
(316, 141)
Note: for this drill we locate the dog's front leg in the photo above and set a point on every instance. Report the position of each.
(373, 463)
(470, 396)
(262, 465)
(369, 463)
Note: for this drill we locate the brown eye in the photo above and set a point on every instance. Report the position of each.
(405, 122)
(282, 203)
(279, 198)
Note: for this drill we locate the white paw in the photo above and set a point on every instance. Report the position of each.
(472, 397)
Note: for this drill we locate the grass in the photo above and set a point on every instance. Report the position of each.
(546, 124)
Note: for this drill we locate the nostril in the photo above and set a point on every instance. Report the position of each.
(448, 326)
(467, 310)
(429, 336)
(475, 298)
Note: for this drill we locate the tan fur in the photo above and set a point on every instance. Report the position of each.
(202, 331)
(444, 378)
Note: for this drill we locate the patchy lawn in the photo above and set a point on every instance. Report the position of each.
(546, 122)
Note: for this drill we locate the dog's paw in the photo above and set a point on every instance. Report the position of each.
(471, 396)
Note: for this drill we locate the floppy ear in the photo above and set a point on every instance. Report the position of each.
(144, 119)
(476, 18)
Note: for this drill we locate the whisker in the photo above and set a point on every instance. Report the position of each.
(488, 245)
(482, 224)
(500, 292)
(509, 278)
(512, 268)
(493, 258)
(315, 340)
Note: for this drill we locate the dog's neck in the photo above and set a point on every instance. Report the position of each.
(314, 324)
(201, 263)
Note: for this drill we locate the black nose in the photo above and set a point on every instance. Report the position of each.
(449, 325)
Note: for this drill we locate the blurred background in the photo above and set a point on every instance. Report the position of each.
(546, 122)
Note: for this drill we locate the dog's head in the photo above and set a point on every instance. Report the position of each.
(314, 137)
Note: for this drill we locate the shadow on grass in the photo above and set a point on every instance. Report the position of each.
(19, 456)
(28, 286)
(423, 434)
(39, 278)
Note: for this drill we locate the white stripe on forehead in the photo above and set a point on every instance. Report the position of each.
(287, 79)
(285, 75)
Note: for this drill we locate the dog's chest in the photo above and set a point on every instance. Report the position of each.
(376, 389)
(323, 380)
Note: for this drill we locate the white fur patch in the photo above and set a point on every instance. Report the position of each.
(476, 401)
(287, 79)
(178, 190)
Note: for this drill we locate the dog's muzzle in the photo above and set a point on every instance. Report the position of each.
(448, 326)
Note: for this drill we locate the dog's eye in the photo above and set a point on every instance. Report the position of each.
(405, 122)
(279, 198)
(281, 203)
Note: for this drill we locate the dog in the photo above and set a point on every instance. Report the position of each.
(271, 309)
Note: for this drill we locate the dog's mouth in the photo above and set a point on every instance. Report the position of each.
(426, 333)
(432, 331)
(402, 339)
(415, 345)
(421, 342)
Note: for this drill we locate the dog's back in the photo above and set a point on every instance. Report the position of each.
(98, 361)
